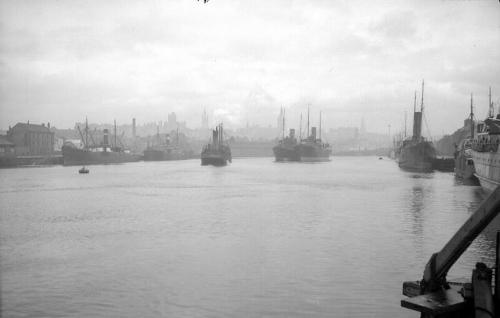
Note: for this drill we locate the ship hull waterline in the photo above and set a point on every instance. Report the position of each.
(284, 154)
(213, 161)
(314, 153)
(77, 157)
(487, 169)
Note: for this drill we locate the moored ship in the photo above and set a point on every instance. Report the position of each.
(163, 151)
(216, 153)
(103, 153)
(485, 151)
(464, 164)
(417, 153)
(312, 149)
(286, 149)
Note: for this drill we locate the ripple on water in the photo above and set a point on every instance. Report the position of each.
(252, 239)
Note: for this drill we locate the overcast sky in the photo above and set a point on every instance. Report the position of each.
(242, 60)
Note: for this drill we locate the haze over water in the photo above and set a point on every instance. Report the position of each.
(253, 239)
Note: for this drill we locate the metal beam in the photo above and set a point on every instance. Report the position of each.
(440, 263)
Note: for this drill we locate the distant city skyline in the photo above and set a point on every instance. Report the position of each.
(242, 61)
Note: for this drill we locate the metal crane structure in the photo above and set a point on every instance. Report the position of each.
(434, 296)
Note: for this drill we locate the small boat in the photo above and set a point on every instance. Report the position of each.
(83, 170)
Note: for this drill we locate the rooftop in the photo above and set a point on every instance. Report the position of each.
(32, 127)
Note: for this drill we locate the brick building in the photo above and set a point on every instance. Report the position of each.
(31, 139)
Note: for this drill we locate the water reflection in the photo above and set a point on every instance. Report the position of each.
(420, 189)
(251, 239)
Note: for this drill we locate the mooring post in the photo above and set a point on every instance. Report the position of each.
(483, 299)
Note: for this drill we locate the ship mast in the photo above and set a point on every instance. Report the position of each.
(300, 127)
(220, 134)
(86, 132)
(319, 125)
(490, 105)
(307, 121)
(422, 103)
(471, 118)
(415, 102)
(283, 125)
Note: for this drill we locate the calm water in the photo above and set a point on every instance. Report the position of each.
(253, 239)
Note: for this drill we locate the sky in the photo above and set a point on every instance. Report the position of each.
(62, 61)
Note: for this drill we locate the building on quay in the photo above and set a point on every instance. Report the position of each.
(31, 139)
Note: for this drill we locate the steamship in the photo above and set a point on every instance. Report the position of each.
(312, 149)
(163, 150)
(464, 164)
(216, 153)
(485, 151)
(90, 154)
(417, 153)
(286, 149)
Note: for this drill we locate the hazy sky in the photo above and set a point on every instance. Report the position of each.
(242, 60)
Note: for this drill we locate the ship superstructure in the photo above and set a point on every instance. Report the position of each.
(485, 152)
(162, 149)
(286, 149)
(217, 152)
(464, 164)
(106, 152)
(312, 148)
(417, 153)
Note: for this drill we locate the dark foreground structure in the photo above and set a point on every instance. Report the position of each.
(434, 296)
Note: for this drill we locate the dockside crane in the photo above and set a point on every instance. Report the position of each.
(434, 296)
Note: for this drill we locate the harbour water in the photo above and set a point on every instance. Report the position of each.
(253, 239)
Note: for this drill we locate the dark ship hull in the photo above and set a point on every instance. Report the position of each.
(464, 165)
(214, 160)
(417, 156)
(216, 153)
(75, 156)
(314, 152)
(286, 153)
(218, 156)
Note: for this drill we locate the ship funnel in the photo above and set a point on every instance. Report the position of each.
(215, 135)
(313, 133)
(417, 125)
(292, 133)
(106, 137)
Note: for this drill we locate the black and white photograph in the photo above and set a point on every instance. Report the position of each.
(260, 159)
